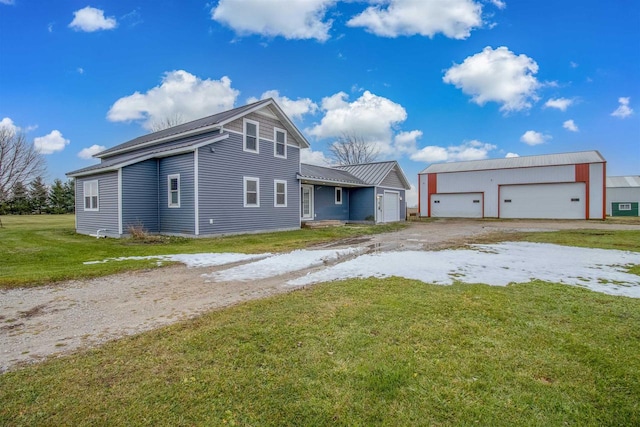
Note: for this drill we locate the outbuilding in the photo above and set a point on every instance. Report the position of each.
(623, 195)
(552, 186)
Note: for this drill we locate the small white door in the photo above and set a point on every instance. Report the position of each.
(391, 207)
(306, 202)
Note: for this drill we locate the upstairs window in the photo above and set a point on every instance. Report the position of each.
(251, 192)
(173, 184)
(338, 195)
(280, 193)
(91, 195)
(280, 139)
(250, 136)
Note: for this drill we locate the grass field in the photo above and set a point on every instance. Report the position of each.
(40, 249)
(358, 352)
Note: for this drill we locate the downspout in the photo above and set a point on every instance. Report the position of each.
(158, 195)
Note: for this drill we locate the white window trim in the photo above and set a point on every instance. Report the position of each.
(338, 190)
(169, 178)
(275, 142)
(90, 195)
(275, 193)
(624, 206)
(244, 194)
(244, 136)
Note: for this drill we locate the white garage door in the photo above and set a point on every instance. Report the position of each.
(459, 205)
(562, 201)
(391, 207)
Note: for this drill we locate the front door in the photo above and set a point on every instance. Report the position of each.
(306, 205)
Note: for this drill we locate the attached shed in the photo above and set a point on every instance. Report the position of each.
(623, 195)
(553, 186)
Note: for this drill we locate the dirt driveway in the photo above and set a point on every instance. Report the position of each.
(36, 323)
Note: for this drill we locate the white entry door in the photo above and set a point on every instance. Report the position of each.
(391, 207)
(306, 202)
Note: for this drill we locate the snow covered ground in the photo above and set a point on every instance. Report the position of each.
(499, 264)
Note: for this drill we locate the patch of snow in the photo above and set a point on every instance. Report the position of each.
(281, 264)
(600, 270)
(192, 260)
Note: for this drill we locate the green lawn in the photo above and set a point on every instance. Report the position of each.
(40, 249)
(358, 352)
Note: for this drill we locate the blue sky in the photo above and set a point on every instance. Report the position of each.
(425, 80)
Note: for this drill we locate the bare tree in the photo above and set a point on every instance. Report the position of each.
(167, 122)
(19, 161)
(351, 149)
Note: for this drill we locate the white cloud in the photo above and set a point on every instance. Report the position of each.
(291, 19)
(499, 4)
(307, 155)
(87, 153)
(80, 70)
(497, 75)
(574, 64)
(560, 103)
(411, 197)
(293, 109)
(471, 150)
(91, 19)
(9, 2)
(51, 143)
(180, 93)
(532, 137)
(623, 110)
(570, 125)
(453, 18)
(8, 124)
(406, 142)
(510, 155)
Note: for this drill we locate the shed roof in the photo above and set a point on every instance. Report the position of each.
(329, 175)
(374, 173)
(632, 181)
(518, 162)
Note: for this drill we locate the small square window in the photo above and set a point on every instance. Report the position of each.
(280, 143)
(251, 192)
(280, 193)
(251, 132)
(173, 190)
(624, 206)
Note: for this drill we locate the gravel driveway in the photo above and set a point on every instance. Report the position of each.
(40, 322)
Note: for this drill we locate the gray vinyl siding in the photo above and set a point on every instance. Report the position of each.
(177, 220)
(266, 125)
(325, 204)
(140, 196)
(362, 204)
(403, 201)
(106, 218)
(221, 189)
(392, 180)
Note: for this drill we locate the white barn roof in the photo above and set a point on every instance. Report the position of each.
(623, 181)
(518, 162)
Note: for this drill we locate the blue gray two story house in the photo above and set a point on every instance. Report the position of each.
(233, 172)
(366, 192)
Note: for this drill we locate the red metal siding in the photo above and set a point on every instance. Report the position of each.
(582, 175)
(432, 188)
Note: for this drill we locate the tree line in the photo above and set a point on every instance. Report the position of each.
(37, 198)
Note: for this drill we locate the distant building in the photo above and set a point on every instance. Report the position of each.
(562, 186)
(623, 195)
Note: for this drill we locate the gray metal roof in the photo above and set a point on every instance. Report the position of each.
(375, 173)
(518, 162)
(329, 175)
(203, 124)
(623, 181)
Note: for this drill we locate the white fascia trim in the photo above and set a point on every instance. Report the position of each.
(153, 156)
(120, 201)
(195, 192)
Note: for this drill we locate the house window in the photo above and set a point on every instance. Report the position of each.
(251, 192)
(280, 193)
(624, 206)
(280, 138)
(250, 136)
(91, 195)
(173, 186)
(338, 195)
